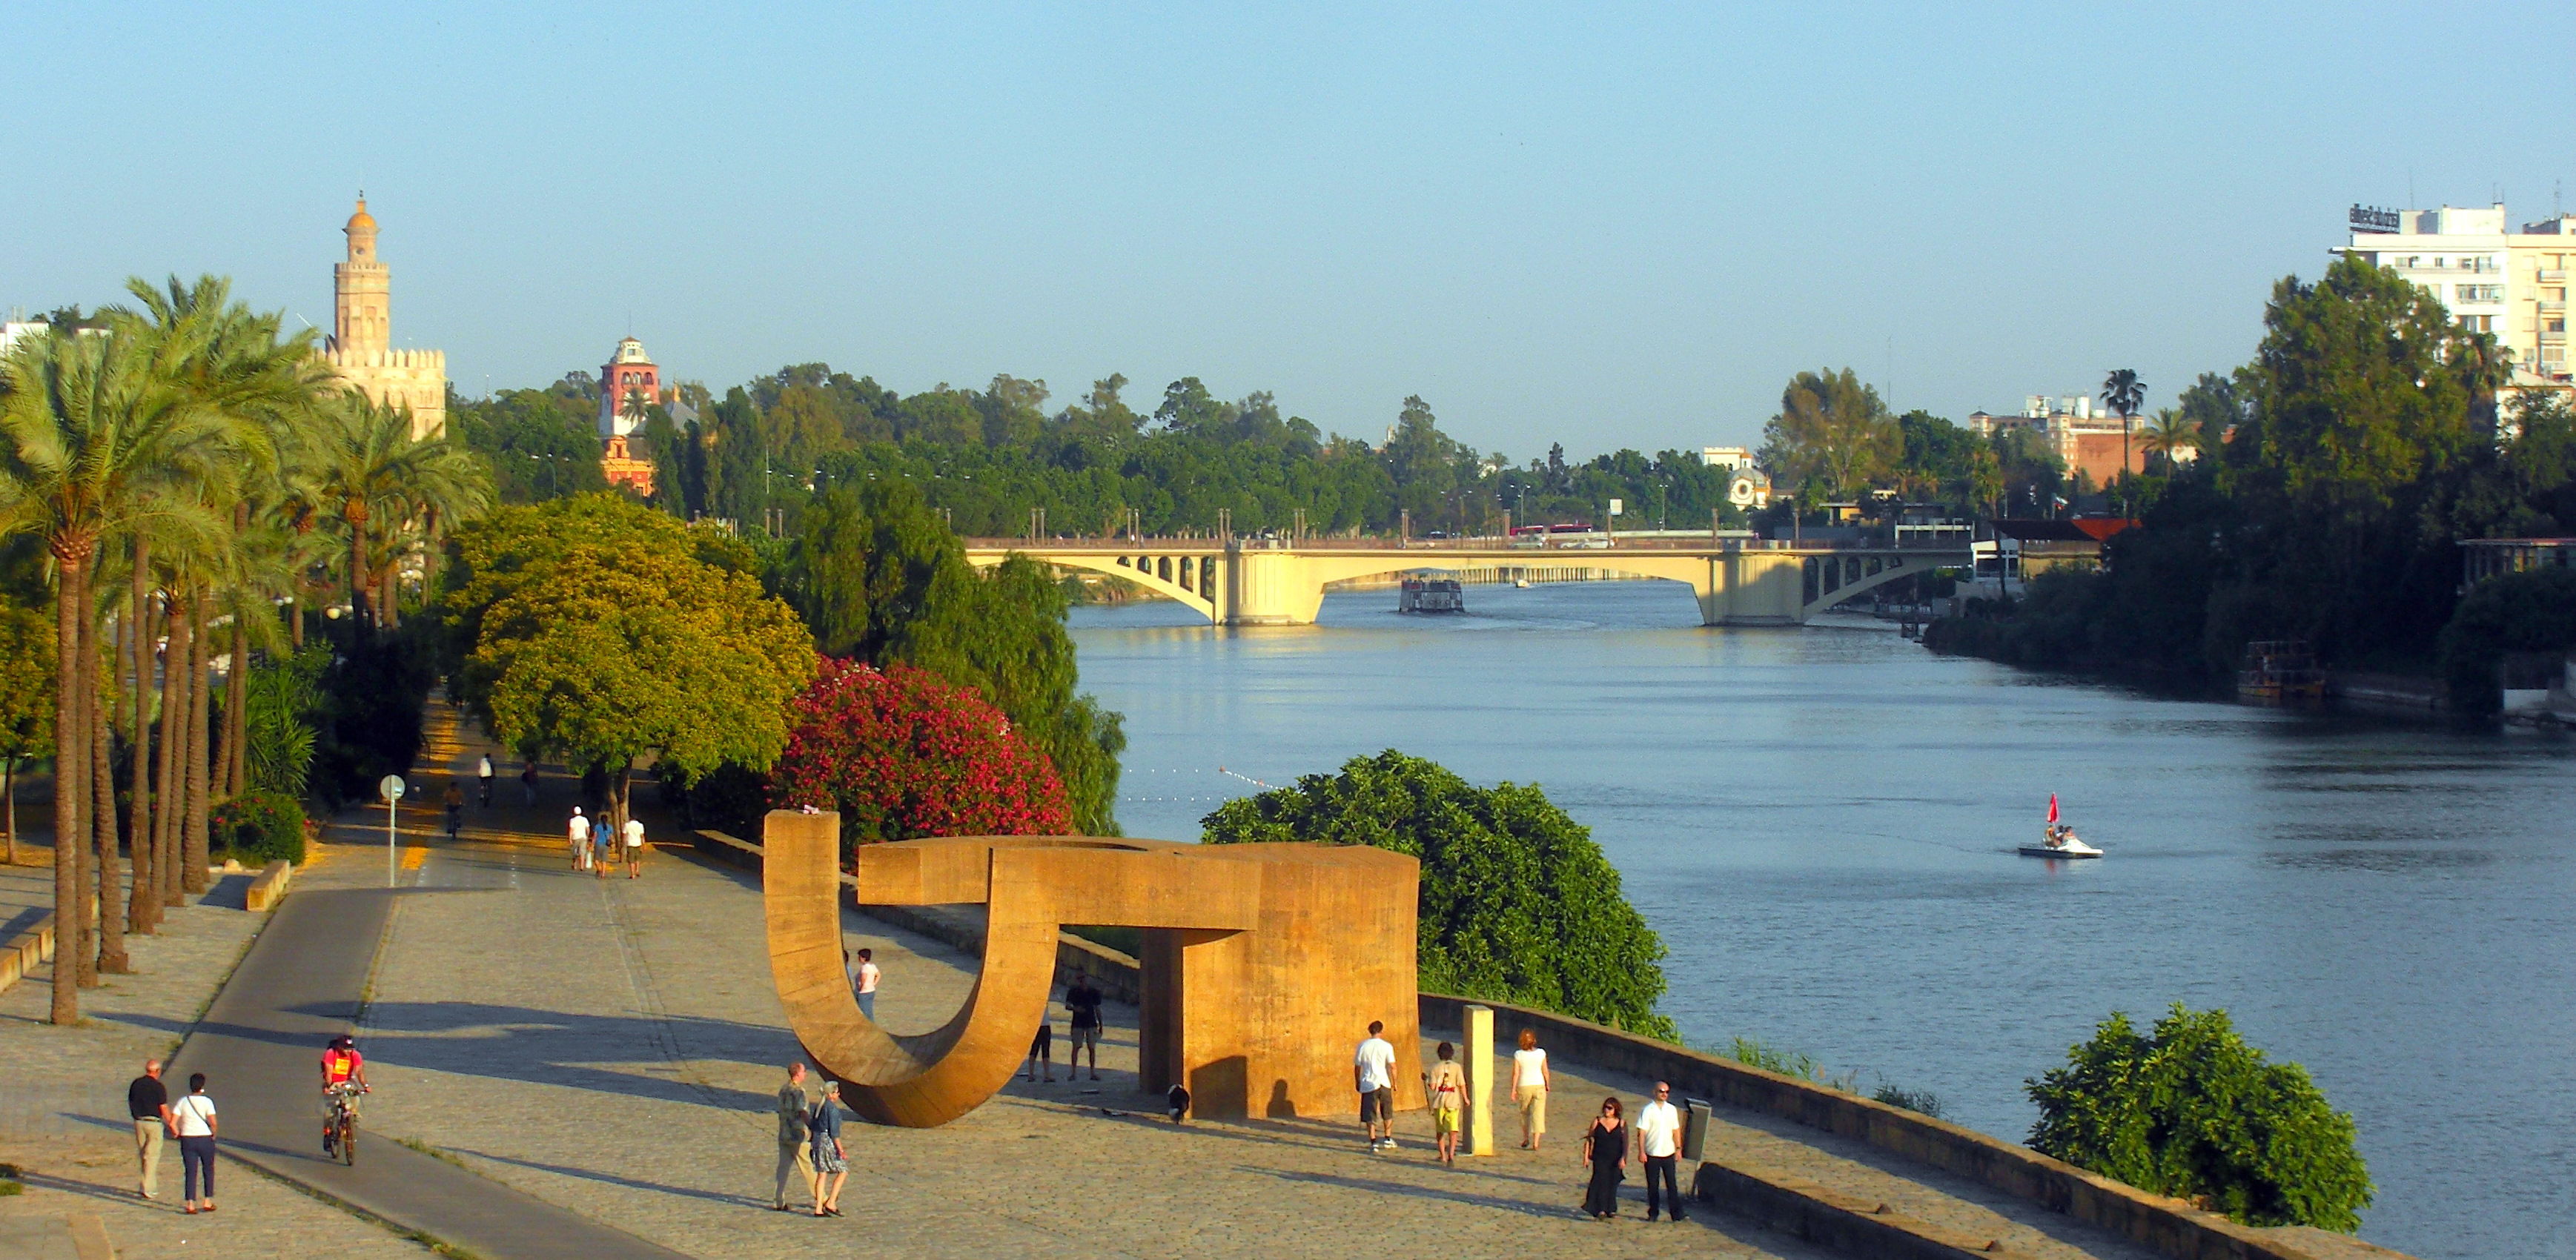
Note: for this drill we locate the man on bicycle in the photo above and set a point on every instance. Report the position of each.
(343, 1069)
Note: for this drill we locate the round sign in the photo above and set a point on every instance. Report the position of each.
(391, 788)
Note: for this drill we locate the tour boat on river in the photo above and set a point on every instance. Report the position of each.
(2061, 842)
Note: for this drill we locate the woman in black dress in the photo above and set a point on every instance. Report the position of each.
(1605, 1147)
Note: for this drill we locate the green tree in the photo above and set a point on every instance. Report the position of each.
(26, 703)
(880, 578)
(1832, 432)
(2168, 435)
(2192, 1111)
(1517, 902)
(2124, 393)
(601, 636)
(92, 428)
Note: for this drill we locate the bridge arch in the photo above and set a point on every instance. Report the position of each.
(1157, 571)
(1831, 579)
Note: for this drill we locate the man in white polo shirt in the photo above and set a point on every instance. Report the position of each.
(1659, 1144)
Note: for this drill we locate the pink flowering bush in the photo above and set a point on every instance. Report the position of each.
(903, 753)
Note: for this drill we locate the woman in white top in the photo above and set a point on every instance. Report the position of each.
(1529, 1089)
(192, 1121)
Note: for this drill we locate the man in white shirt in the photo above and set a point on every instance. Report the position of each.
(579, 830)
(1373, 1072)
(483, 778)
(1659, 1143)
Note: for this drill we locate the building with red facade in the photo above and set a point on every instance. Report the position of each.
(628, 383)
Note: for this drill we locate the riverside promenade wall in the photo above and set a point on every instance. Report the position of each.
(2171, 1226)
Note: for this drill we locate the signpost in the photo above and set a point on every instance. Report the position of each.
(391, 788)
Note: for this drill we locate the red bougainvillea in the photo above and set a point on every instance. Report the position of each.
(903, 753)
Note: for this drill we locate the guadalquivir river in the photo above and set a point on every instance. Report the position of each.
(1821, 822)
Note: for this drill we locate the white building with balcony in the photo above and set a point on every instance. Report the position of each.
(2493, 279)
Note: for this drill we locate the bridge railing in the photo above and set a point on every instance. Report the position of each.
(1571, 543)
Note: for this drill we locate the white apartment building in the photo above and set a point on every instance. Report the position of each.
(2494, 280)
(1726, 456)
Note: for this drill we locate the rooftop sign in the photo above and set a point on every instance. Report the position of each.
(2373, 219)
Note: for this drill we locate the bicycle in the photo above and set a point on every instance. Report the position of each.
(341, 1130)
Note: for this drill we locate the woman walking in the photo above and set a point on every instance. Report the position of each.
(831, 1162)
(1529, 1089)
(192, 1121)
(1605, 1148)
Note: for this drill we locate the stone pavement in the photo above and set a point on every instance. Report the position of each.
(612, 1045)
(62, 1102)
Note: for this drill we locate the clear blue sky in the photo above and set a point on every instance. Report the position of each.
(1605, 225)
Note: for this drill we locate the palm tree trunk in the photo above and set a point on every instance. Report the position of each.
(192, 845)
(111, 904)
(228, 749)
(143, 913)
(355, 513)
(174, 749)
(67, 774)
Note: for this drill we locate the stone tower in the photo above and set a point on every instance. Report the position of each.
(360, 348)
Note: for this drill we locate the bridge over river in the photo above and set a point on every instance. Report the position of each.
(1280, 582)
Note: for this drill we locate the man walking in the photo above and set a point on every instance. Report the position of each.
(1659, 1143)
(528, 782)
(580, 831)
(794, 1155)
(483, 778)
(863, 982)
(148, 1101)
(1082, 1002)
(1373, 1072)
(603, 840)
(634, 847)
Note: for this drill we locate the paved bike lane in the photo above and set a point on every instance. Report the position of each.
(302, 981)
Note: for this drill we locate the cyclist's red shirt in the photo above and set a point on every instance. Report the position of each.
(340, 1065)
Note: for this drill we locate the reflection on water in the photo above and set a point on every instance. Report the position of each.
(1821, 824)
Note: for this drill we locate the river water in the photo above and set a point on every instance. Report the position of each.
(1820, 822)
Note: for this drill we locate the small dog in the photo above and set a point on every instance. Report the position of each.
(1176, 1104)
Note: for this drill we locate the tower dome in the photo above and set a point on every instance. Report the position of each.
(362, 221)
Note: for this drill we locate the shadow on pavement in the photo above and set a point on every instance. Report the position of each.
(585, 1174)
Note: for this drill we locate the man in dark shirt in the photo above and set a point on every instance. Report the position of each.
(148, 1101)
(1083, 1002)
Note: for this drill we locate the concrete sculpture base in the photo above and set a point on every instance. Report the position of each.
(1263, 963)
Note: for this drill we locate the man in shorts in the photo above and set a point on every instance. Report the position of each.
(1082, 1002)
(579, 831)
(1373, 1073)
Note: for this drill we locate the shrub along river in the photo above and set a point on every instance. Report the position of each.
(1821, 824)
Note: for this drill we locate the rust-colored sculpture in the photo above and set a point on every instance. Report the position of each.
(1263, 963)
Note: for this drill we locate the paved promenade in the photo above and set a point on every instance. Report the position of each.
(62, 1101)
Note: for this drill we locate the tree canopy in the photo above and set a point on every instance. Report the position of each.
(882, 579)
(1518, 904)
(601, 631)
(2190, 1110)
(903, 753)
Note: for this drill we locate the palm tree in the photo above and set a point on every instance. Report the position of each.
(89, 427)
(2167, 434)
(2485, 367)
(261, 382)
(365, 458)
(2122, 392)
